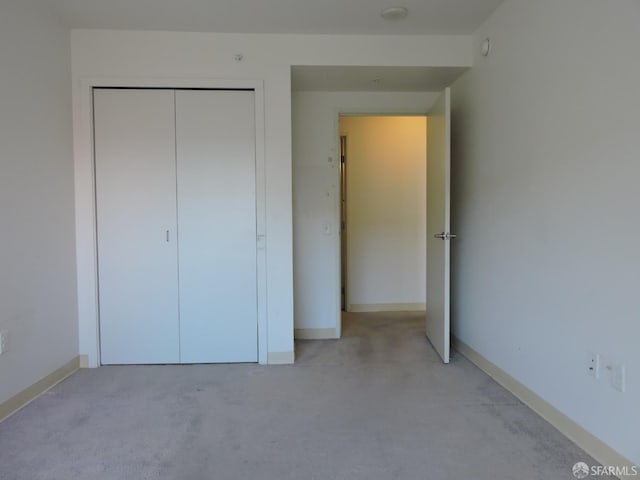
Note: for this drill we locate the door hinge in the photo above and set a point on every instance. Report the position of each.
(445, 236)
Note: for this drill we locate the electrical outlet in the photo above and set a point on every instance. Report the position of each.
(593, 365)
(618, 377)
(4, 338)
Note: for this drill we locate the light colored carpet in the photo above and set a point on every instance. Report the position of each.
(375, 405)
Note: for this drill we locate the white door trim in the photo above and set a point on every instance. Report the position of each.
(84, 182)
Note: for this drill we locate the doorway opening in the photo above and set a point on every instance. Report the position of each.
(382, 213)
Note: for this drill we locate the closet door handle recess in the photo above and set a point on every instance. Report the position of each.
(167, 235)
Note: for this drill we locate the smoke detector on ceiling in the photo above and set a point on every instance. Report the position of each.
(394, 13)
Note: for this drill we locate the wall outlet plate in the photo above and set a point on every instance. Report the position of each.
(4, 338)
(593, 365)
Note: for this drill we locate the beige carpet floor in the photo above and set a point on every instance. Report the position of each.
(376, 405)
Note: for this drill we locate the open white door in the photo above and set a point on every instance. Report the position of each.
(439, 223)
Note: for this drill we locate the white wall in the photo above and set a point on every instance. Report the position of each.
(37, 278)
(386, 211)
(172, 55)
(545, 205)
(316, 193)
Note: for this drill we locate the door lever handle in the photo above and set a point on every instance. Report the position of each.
(445, 236)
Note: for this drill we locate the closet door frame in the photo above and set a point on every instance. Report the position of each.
(87, 272)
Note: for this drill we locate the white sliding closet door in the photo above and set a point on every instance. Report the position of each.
(215, 134)
(134, 135)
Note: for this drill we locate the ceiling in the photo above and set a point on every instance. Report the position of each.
(276, 16)
(372, 79)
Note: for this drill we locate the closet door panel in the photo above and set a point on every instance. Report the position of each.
(136, 225)
(215, 136)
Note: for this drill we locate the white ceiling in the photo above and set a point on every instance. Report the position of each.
(276, 16)
(372, 79)
(297, 16)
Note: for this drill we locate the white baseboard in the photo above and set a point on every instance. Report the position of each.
(591, 444)
(387, 307)
(314, 333)
(29, 394)
(280, 358)
(84, 361)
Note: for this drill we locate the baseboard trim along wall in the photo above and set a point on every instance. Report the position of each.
(387, 307)
(591, 444)
(280, 358)
(29, 394)
(84, 361)
(314, 333)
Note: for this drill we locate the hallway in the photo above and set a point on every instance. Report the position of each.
(376, 405)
